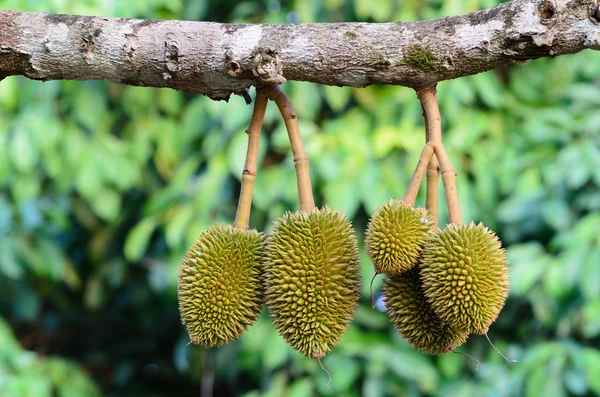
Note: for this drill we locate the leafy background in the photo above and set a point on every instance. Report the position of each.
(103, 188)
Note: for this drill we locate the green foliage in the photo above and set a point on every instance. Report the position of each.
(104, 187)
(24, 373)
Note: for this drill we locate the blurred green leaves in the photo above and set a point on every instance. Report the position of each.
(25, 374)
(103, 187)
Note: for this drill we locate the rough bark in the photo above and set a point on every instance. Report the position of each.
(220, 59)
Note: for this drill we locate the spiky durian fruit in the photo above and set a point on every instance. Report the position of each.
(413, 317)
(465, 276)
(396, 235)
(312, 279)
(220, 289)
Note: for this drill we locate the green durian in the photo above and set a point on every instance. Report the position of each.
(413, 317)
(465, 276)
(396, 235)
(312, 278)
(220, 290)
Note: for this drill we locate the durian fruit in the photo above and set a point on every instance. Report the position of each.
(220, 289)
(465, 276)
(412, 315)
(312, 280)
(396, 236)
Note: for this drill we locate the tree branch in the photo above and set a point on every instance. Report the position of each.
(220, 59)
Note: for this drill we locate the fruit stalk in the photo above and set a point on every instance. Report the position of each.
(429, 102)
(242, 216)
(288, 113)
(415, 183)
(432, 177)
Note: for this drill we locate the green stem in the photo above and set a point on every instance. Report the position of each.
(288, 113)
(242, 216)
(429, 102)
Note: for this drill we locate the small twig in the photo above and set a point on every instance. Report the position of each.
(477, 363)
(433, 175)
(415, 183)
(288, 113)
(498, 351)
(327, 372)
(371, 289)
(208, 375)
(429, 102)
(242, 216)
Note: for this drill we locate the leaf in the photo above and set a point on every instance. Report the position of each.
(337, 97)
(27, 307)
(557, 214)
(341, 196)
(95, 105)
(591, 319)
(94, 293)
(489, 89)
(373, 387)
(589, 282)
(301, 388)
(345, 369)
(528, 262)
(385, 139)
(23, 152)
(591, 359)
(138, 239)
(554, 284)
(277, 353)
(53, 259)
(176, 227)
(535, 382)
(106, 204)
(8, 261)
(170, 101)
(451, 365)
(412, 365)
(575, 382)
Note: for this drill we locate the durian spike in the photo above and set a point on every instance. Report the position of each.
(327, 372)
(288, 113)
(428, 99)
(417, 178)
(371, 289)
(242, 216)
(433, 176)
(477, 363)
(498, 351)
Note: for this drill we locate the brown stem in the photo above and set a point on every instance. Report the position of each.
(288, 113)
(208, 373)
(242, 216)
(433, 175)
(429, 102)
(415, 183)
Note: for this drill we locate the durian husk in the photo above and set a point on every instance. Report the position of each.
(412, 315)
(396, 235)
(465, 276)
(312, 279)
(220, 290)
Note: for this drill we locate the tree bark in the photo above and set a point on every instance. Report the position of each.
(220, 59)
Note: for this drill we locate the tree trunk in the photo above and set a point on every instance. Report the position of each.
(220, 59)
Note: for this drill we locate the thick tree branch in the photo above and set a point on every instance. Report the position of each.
(219, 59)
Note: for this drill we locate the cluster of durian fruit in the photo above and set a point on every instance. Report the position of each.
(440, 285)
(306, 269)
